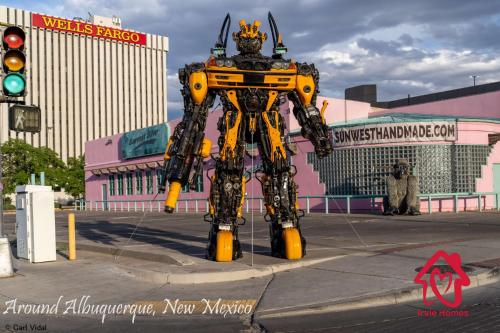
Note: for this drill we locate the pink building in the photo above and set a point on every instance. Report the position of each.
(452, 145)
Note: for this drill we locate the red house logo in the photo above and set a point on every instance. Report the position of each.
(435, 275)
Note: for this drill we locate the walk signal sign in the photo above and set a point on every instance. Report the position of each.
(24, 118)
(13, 62)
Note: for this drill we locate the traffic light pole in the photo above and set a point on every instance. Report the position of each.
(3, 99)
(1, 191)
(6, 266)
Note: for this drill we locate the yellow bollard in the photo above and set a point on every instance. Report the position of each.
(71, 236)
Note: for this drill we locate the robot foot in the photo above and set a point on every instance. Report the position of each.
(237, 252)
(222, 247)
(288, 243)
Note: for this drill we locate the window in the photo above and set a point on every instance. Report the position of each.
(138, 182)
(149, 182)
(159, 174)
(111, 185)
(130, 189)
(198, 185)
(120, 184)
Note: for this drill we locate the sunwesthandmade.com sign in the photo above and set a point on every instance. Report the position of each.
(395, 132)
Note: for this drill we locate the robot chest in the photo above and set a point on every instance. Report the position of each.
(234, 79)
(253, 100)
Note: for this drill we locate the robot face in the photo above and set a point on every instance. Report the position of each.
(249, 39)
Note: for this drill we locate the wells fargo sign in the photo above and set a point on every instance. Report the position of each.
(84, 28)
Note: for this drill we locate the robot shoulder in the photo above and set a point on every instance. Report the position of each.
(194, 76)
(307, 79)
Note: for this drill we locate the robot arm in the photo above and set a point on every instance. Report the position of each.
(188, 146)
(311, 119)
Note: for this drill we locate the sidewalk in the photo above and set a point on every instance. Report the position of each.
(338, 273)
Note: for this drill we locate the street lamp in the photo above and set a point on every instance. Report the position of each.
(474, 78)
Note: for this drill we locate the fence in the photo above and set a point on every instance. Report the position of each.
(343, 203)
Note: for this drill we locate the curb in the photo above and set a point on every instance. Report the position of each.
(221, 276)
(392, 297)
(113, 251)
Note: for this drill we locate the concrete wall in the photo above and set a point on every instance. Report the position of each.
(104, 153)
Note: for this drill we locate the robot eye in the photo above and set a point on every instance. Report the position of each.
(276, 65)
(280, 65)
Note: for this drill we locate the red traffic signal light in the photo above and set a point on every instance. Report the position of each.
(13, 38)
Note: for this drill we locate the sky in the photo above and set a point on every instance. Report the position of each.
(405, 47)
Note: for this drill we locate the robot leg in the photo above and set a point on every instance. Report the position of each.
(227, 195)
(280, 191)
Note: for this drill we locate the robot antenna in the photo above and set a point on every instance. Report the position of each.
(226, 24)
(278, 48)
(274, 28)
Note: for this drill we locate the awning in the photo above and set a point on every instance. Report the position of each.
(126, 168)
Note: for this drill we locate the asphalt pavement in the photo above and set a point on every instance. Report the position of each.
(357, 275)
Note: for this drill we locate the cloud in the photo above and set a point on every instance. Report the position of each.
(399, 71)
(406, 47)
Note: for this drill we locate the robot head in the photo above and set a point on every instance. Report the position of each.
(401, 167)
(249, 39)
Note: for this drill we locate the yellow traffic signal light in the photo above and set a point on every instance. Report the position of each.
(14, 62)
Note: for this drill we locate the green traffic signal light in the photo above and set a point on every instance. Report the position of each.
(14, 84)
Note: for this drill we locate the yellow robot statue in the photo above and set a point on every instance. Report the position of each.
(251, 88)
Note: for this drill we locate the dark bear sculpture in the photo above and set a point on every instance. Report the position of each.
(402, 191)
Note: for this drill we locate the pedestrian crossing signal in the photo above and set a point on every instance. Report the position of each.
(24, 118)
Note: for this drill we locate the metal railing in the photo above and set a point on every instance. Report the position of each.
(201, 204)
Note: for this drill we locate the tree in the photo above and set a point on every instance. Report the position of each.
(75, 177)
(20, 160)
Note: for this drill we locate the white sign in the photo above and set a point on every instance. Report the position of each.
(395, 132)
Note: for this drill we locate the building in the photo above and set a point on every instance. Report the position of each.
(91, 79)
(452, 143)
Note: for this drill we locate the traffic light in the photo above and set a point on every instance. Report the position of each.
(24, 118)
(13, 62)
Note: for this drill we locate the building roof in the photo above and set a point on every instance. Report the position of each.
(440, 96)
(410, 117)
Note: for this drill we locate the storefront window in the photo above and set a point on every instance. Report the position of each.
(130, 190)
(159, 173)
(120, 184)
(111, 185)
(138, 182)
(199, 185)
(149, 182)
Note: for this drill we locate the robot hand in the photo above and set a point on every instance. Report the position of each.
(323, 148)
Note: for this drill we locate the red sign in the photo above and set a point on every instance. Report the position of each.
(87, 29)
(447, 278)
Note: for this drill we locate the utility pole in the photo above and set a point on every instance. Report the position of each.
(13, 70)
(474, 78)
